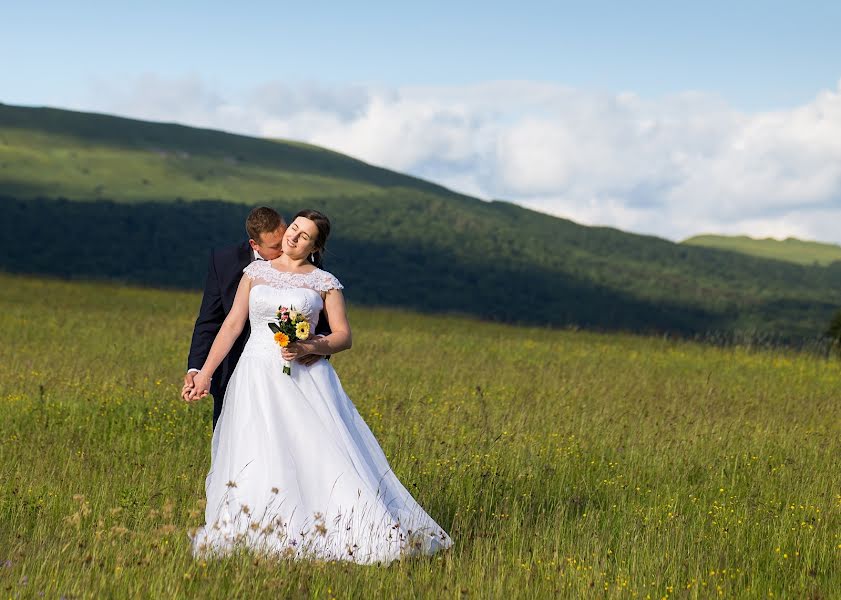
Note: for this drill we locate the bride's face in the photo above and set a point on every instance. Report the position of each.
(301, 238)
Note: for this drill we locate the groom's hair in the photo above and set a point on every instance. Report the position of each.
(262, 220)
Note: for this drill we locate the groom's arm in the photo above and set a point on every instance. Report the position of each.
(210, 319)
(321, 329)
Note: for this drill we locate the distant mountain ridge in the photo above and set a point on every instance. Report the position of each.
(142, 202)
(791, 249)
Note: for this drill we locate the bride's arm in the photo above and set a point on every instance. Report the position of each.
(340, 337)
(228, 334)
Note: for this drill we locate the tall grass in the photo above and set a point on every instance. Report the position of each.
(563, 464)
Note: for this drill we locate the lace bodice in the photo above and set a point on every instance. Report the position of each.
(261, 271)
(271, 289)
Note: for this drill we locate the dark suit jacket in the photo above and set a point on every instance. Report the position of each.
(223, 276)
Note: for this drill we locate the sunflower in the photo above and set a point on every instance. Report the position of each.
(302, 330)
(282, 339)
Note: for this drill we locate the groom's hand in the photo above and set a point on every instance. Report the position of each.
(309, 359)
(189, 386)
(186, 391)
(188, 379)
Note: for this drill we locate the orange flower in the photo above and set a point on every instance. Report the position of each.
(282, 339)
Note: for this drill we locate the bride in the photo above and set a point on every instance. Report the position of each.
(295, 471)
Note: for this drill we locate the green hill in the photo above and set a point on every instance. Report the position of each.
(790, 249)
(93, 196)
(59, 153)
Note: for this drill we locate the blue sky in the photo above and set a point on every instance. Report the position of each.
(669, 118)
(754, 54)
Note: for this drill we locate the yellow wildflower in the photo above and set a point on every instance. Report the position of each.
(302, 330)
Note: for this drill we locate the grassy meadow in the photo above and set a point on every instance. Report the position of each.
(790, 250)
(562, 463)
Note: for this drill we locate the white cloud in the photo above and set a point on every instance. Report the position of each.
(672, 166)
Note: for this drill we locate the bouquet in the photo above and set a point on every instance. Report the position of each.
(291, 326)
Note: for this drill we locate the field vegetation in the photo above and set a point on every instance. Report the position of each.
(563, 463)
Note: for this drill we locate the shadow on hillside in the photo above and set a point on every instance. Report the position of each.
(166, 245)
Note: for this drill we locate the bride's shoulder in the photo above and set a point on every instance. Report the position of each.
(251, 269)
(257, 268)
(325, 281)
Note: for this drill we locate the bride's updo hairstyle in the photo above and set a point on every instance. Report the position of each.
(323, 223)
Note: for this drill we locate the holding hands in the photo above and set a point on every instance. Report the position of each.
(196, 386)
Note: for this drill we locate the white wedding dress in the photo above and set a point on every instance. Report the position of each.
(295, 471)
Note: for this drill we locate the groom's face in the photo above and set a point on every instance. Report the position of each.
(270, 244)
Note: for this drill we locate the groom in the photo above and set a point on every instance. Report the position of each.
(265, 228)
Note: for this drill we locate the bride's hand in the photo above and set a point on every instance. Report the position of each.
(294, 351)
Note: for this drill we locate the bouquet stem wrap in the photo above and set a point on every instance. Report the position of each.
(291, 326)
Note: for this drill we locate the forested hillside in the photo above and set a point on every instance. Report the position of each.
(93, 196)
